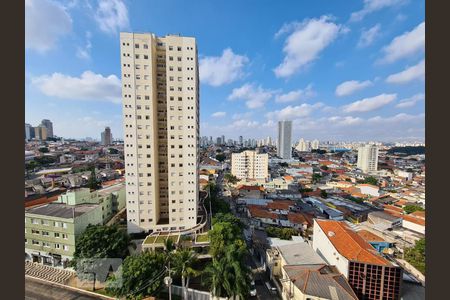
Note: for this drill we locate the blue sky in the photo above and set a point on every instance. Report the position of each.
(340, 70)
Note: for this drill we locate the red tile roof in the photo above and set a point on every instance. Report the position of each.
(393, 208)
(349, 244)
(418, 214)
(369, 236)
(258, 211)
(299, 218)
(280, 204)
(251, 188)
(413, 219)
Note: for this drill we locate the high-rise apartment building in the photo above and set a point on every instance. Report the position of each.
(28, 129)
(49, 125)
(303, 146)
(241, 140)
(106, 136)
(250, 165)
(40, 132)
(160, 90)
(315, 145)
(284, 148)
(368, 158)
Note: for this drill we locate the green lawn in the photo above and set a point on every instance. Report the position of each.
(161, 239)
(149, 240)
(202, 238)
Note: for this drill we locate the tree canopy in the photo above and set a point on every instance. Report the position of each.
(230, 178)
(371, 180)
(282, 233)
(93, 183)
(220, 157)
(416, 255)
(139, 276)
(100, 241)
(412, 208)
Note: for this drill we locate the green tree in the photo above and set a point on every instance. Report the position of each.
(230, 178)
(100, 241)
(323, 194)
(183, 262)
(325, 168)
(93, 183)
(139, 276)
(316, 177)
(220, 157)
(227, 275)
(43, 150)
(416, 255)
(412, 208)
(371, 180)
(281, 233)
(113, 151)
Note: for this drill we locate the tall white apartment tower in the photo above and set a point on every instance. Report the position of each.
(368, 158)
(284, 149)
(160, 93)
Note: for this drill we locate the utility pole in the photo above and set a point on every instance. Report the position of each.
(168, 282)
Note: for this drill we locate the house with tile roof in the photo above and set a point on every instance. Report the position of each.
(370, 274)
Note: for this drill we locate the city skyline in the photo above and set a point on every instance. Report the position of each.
(328, 92)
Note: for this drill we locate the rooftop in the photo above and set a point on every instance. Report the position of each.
(300, 254)
(61, 210)
(349, 244)
(320, 281)
(369, 236)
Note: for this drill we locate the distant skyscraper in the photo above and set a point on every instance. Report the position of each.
(40, 132)
(368, 158)
(284, 149)
(28, 129)
(315, 144)
(106, 137)
(269, 141)
(161, 125)
(241, 140)
(49, 125)
(303, 146)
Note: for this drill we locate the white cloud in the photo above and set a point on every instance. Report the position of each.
(89, 86)
(371, 6)
(255, 96)
(45, 22)
(369, 104)
(349, 87)
(368, 36)
(299, 94)
(405, 45)
(85, 52)
(399, 118)
(112, 16)
(411, 101)
(245, 115)
(345, 121)
(219, 114)
(416, 72)
(304, 45)
(293, 112)
(220, 70)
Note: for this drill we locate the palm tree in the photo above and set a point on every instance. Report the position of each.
(183, 262)
(217, 278)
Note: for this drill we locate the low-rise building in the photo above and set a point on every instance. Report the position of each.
(51, 230)
(370, 274)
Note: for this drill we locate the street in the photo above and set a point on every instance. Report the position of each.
(260, 277)
(38, 290)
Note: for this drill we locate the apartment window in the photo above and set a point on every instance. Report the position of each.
(57, 224)
(66, 248)
(64, 225)
(137, 56)
(145, 56)
(145, 46)
(45, 233)
(35, 242)
(56, 234)
(136, 46)
(171, 58)
(179, 58)
(138, 67)
(34, 221)
(45, 244)
(179, 69)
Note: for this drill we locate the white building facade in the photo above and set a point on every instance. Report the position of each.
(160, 93)
(250, 165)
(368, 158)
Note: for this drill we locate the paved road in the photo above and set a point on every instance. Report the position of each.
(37, 290)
